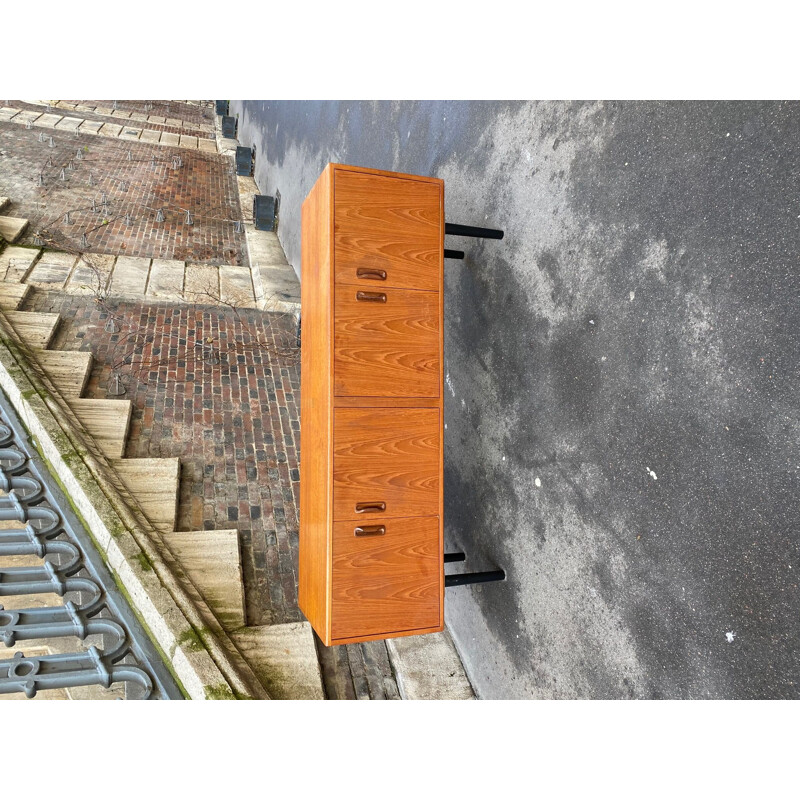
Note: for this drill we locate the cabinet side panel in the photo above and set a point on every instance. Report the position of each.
(441, 401)
(315, 407)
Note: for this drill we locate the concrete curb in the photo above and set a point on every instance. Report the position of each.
(429, 668)
(274, 280)
(195, 647)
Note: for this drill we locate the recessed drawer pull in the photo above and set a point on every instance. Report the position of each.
(362, 507)
(373, 297)
(371, 274)
(370, 530)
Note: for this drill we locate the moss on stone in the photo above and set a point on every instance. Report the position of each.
(144, 562)
(191, 640)
(220, 691)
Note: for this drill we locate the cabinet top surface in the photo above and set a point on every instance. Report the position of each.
(386, 173)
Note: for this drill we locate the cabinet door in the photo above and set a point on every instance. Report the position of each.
(385, 463)
(386, 343)
(387, 231)
(388, 582)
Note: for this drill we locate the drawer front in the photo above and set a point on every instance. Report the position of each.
(386, 343)
(385, 463)
(385, 583)
(387, 231)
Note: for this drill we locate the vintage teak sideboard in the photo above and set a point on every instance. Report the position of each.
(371, 501)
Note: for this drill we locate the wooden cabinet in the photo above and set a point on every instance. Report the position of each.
(371, 545)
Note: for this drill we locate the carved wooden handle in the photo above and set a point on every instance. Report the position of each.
(362, 507)
(371, 274)
(374, 297)
(370, 530)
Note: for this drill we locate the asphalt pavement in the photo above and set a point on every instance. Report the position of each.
(622, 381)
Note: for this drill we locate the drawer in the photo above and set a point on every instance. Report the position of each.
(386, 343)
(382, 584)
(389, 227)
(387, 458)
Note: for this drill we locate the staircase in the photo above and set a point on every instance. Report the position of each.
(206, 563)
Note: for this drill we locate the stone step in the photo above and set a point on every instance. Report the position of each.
(171, 139)
(207, 145)
(201, 283)
(111, 130)
(11, 228)
(69, 124)
(16, 262)
(236, 286)
(91, 126)
(129, 278)
(68, 370)
(52, 270)
(48, 120)
(284, 658)
(275, 282)
(12, 295)
(107, 421)
(429, 668)
(212, 561)
(36, 330)
(166, 279)
(136, 278)
(155, 483)
(90, 275)
(24, 117)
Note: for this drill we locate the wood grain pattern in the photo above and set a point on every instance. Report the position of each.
(441, 407)
(389, 583)
(387, 349)
(344, 401)
(316, 440)
(379, 365)
(389, 456)
(387, 223)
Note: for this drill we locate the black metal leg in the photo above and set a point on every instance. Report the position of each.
(449, 558)
(468, 230)
(453, 253)
(474, 577)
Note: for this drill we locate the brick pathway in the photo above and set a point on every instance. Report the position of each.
(235, 427)
(204, 185)
(234, 424)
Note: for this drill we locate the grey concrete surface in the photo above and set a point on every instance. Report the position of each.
(621, 380)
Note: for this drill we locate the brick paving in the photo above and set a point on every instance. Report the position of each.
(186, 128)
(235, 427)
(233, 424)
(138, 186)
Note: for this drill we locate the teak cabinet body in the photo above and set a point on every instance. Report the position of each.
(371, 544)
